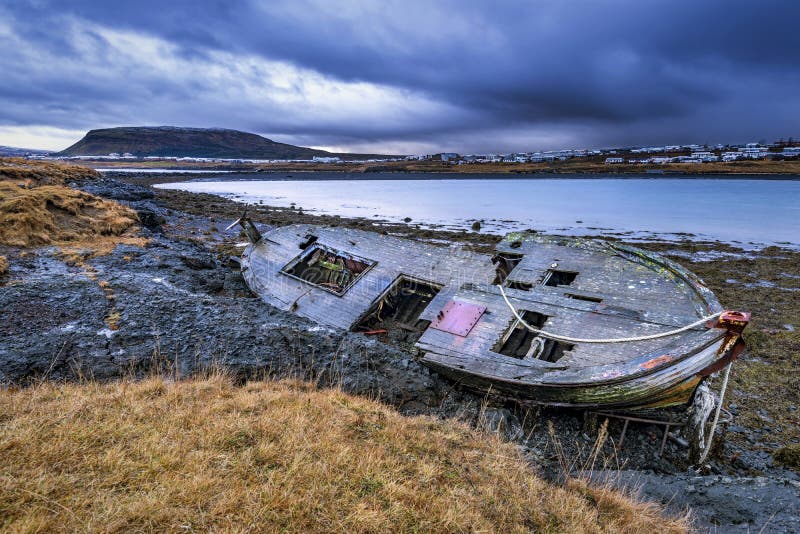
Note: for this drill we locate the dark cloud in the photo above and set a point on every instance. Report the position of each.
(520, 74)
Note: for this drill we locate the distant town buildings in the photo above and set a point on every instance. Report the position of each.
(650, 155)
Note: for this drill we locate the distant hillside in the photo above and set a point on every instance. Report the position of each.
(186, 142)
(14, 152)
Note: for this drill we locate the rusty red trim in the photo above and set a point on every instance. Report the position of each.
(655, 362)
(731, 348)
(733, 321)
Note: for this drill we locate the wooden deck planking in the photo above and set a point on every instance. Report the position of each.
(573, 322)
(637, 298)
(448, 267)
(601, 272)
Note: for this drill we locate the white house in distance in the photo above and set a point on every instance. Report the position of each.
(753, 151)
(705, 156)
(610, 161)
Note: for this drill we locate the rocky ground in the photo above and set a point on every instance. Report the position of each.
(179, 306)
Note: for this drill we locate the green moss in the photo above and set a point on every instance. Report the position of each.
(755, 340)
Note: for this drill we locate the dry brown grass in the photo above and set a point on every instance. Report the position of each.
(35, 173)
(204, 454)
(3, 265)
(54, 214)
(36, 209)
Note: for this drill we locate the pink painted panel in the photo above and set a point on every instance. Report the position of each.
(458, 317)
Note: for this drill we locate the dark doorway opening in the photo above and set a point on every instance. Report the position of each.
(519, 342)
(395, 314)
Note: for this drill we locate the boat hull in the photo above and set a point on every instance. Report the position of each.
(672, 384)
(586, 291)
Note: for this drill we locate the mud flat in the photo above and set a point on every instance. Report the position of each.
(179, 305)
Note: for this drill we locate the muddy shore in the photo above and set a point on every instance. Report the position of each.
(181, 307)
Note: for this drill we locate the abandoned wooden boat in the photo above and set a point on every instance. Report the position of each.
(561, 321)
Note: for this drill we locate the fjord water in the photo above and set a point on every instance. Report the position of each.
(739, 211)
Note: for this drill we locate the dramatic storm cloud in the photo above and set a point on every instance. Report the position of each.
(406, 76)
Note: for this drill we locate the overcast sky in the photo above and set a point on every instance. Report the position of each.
(405, 76)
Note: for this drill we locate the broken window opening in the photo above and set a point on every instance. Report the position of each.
(555, 278)
(327, 268)
(396, 312)
(519, 342)
(504, 264)
(310, 239)
(587, 298)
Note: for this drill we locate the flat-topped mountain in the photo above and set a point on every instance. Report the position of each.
(186, 142)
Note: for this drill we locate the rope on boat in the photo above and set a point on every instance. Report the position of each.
(568, 339)
(716, 415)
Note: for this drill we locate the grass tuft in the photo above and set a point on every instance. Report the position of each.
(203, 454)
(789, 456)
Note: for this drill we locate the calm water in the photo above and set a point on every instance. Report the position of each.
(743, 211)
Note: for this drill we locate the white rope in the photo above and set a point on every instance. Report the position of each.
(567, 339)
(716, 415)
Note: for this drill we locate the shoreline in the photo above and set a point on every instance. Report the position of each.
(184, 175)
(633, 230)
(573, 166)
